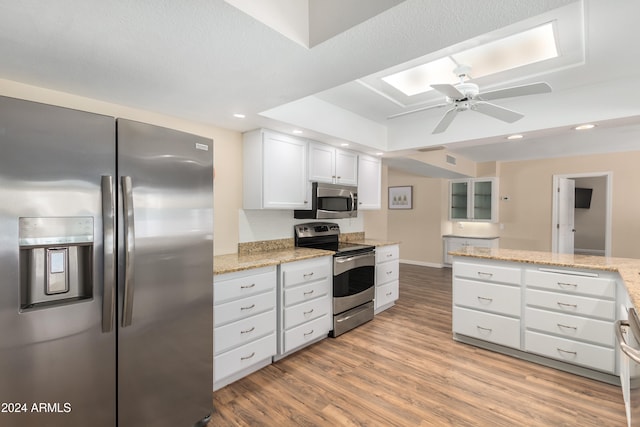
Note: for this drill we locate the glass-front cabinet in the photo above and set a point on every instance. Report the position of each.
(473, 199)
(459, 200)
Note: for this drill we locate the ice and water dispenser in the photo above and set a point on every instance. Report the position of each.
(56, 260)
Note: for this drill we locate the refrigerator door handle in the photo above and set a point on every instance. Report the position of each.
(108, 233)
(129, 239)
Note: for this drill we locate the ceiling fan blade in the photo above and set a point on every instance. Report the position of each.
(446, 121)
(449, 90)
(404, 113)
(497, 112)
(530, 89)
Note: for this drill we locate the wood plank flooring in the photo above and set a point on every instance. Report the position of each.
(404, 369)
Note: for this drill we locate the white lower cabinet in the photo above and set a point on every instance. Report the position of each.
(547, 314)
(570, 316)
(244, 337)
(304, 303)
(387, 277)
(456, 243)
(487, 302)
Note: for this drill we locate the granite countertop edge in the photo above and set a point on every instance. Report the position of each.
(627, 268)
(231, 263)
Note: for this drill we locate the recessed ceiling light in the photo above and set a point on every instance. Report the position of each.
(239, 116)
(344, 144)
(297, 131)
(516, 136)
(379, 153)
(585, 126)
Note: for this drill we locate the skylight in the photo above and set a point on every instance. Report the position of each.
(527, 47)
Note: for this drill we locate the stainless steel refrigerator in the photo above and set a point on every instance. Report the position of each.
(106, 264)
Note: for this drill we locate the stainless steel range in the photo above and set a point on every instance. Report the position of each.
(353, 274)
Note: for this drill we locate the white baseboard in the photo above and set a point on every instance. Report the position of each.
(422, 263)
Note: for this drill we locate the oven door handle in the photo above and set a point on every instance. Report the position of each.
(631, 352)
(342, 260)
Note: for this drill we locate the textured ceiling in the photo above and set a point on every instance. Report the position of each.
(204, 60)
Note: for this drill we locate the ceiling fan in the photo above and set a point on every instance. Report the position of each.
(467, 96)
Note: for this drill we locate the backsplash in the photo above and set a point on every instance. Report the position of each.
(267, 225)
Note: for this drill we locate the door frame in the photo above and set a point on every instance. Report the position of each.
(608, 214)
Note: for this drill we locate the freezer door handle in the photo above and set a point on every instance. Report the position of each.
(109, 248)
(129, 250)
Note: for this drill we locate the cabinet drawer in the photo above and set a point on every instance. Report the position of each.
(572, 304)
(306, 271)
(569, 326)
(304, 312)
(570, 351)
(230, 362)
(244, 331)
(387, 272)
(307, 332)
(502, 299)
(486, 326)
(387, 253)
(487, 272)
(386, 293)
(572, 284)
(239, 309)
(307, 292)
(230, 287)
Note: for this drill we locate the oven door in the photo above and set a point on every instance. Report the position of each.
(353, 280)
(628, 335)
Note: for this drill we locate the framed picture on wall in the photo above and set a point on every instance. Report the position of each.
(401, 197)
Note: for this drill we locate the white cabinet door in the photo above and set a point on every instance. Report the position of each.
(473, 199)
(346, 167)
(322, 166)
(331, 165)
(369, 183)
(275, 171)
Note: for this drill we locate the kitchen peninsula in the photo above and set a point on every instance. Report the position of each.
(555, 309)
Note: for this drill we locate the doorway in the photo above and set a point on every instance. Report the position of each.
(581, 220)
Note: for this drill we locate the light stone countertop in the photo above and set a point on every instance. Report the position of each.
(238, 262)
(628, 268)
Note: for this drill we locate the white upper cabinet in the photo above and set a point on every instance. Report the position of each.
(275, 171)
(331, 165)
(369, 182)
(474, 199)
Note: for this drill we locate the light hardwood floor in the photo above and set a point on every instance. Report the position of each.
(404, 369)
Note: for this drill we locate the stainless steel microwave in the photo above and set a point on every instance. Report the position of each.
(331, 201)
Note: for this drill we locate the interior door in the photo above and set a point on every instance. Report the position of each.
(165, 267)
(566, 215)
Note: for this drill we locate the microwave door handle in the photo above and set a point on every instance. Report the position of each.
(353, 200)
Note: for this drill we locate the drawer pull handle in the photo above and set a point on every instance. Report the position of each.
(389, 294)
(308, 312)
(485, 299)
(483, 274)
(484, 329)
(389, 255)
(247, 286)
(248, 357)
(560, 325)
(567, 285)
(246, 331)
(248, 308)
(308, 333)
(307, 275)
(390, 272)
(575, 353)
(309, 292)
(564, 304)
